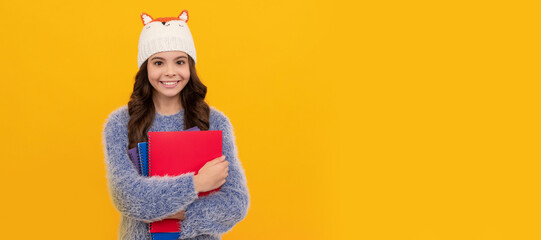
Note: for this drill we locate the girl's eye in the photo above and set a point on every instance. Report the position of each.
(156, 63)
(180, 62)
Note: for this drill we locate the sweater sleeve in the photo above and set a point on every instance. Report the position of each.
(218, 212)
(142, 198)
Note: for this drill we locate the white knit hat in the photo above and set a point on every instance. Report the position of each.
(165, 34)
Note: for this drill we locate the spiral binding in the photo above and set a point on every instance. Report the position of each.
(148, 153)
(149, 174)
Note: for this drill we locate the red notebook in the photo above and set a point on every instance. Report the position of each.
(176, 153)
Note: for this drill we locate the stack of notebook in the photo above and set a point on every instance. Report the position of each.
(175, 153)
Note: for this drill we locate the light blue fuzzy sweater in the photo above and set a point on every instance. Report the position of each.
(140, 198)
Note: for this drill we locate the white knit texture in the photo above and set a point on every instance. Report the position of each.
(157, 37)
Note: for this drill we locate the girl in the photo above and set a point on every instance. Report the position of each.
(168, 96)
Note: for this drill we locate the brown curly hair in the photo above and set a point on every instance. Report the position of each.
(141, 107)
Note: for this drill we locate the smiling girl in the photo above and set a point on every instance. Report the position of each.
(169, 96)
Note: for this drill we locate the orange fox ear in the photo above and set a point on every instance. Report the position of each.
(184, 16)
(146, 18)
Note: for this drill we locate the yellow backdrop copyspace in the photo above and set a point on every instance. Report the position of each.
(353, 119)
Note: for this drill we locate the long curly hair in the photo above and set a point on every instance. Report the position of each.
(141, 106)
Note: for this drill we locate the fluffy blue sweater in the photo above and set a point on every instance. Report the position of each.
(140, 198)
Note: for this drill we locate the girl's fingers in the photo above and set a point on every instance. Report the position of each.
(224, 165)
(216, 161)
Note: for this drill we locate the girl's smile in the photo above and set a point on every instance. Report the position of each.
(170, 84)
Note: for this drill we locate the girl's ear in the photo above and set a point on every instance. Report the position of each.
(146, 18)
(184, 16)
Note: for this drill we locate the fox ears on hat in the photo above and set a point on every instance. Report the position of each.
(182, 16)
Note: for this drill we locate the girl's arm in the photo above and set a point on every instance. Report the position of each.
(219, 212)
(144, 198)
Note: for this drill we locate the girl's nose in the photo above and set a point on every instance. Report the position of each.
(170, 71)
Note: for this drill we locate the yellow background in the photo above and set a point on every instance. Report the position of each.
(354, 120)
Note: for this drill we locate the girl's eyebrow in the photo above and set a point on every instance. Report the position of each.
(164, 59)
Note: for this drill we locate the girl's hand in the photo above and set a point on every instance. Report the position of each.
(180, 216)
(212, 175)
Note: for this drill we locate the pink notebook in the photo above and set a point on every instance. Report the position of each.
(176, 153)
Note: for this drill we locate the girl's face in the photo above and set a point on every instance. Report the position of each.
(168, 72)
